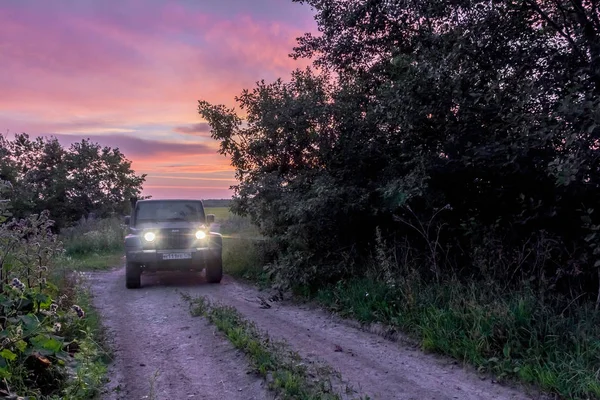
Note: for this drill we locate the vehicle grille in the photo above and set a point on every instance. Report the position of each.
(175, 240)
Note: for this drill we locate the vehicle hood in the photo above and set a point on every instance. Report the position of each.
(168, 225)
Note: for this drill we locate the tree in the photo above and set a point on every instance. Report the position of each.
(70, 182)
(488, 111)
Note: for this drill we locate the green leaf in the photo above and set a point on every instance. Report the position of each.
(21, 345)
(30, 322)
(8, 355)
(43, 299)
(50, 344)
(4, 372)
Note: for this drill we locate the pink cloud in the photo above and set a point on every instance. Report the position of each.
(131, 75)
(138, 148)
(200, 128)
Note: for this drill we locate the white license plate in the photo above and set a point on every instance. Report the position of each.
(177, 256)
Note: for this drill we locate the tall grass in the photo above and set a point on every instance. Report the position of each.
(510, 334)
(94, 237)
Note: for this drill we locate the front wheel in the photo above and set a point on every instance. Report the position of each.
(133, 272)
(214, 269)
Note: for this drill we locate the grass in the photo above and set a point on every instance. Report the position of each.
(93, 262)
(220, 213)
(96, 237)
(94, 245)
(509, 334)
(285, 371)
(92, 358)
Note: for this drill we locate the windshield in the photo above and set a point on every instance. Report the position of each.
(158, 211)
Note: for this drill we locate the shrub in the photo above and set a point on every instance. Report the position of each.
(44, 338)
(94, 237)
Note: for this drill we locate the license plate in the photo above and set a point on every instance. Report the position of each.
(177, 256)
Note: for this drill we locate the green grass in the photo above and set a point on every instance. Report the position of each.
(244, 258)
(285, 371)
(220, 213)
(92, 357)
(95, 245)
(509, 334)
(103, 236)
(93, 261)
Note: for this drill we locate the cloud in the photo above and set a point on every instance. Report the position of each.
(134, 147)
(125, 74)
(151, 63)
(202, 127)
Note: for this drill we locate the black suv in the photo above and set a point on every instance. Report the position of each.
(171, 235)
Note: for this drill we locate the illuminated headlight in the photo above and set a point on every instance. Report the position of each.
(200, 235)
(149, 236)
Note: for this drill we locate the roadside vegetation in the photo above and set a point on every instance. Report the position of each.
(437, 172)
(59, 215)
(50, 337)
(284, 370)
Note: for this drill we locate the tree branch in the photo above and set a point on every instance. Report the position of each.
(556, 27)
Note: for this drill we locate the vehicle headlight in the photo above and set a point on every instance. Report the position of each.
(200, 235)
(149, 236)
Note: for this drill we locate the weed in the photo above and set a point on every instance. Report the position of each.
(152, 392)
(103, 236)
(509, 334)
(284, 370)
(92, 262)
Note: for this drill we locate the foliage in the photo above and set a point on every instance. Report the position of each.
(71, 182)
(98, 236)
(466, 130)
(512, 335)
(44, 337)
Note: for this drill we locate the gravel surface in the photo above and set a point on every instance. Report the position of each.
(151, 330)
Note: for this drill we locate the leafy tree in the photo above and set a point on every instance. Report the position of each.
(70, 182)
(469, 128)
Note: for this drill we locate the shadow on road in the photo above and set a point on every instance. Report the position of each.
(176, 279)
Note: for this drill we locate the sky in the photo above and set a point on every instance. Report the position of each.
(129, 74)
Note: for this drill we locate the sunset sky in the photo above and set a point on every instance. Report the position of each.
(129, 73)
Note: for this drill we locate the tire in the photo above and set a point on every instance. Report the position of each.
(133, 274)
(214, 269)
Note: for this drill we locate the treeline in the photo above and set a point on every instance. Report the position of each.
(70, 183)
(217, 202)
(460, 138)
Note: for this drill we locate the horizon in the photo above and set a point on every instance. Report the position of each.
(129, 76)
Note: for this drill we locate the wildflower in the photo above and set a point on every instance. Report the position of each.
(57, 326)
(17, 284)
(19, 331)
(43, 268)
(53, 307)
(79, 311)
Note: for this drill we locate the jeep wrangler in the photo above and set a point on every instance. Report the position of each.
(167, 235)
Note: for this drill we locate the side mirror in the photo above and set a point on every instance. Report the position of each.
(127, 219)
(210, 218)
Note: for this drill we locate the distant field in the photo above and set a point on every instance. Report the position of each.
(221, 213)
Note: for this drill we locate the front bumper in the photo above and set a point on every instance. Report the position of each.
(155, 259)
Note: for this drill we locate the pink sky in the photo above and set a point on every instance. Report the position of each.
(129, 73)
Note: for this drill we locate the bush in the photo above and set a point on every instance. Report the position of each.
(46, 345)
(94, 237)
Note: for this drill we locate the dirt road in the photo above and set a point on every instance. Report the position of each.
(161, 352)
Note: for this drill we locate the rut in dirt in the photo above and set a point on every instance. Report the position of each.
(152, 326)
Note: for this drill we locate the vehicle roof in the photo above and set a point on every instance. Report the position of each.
(164, 200)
